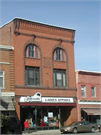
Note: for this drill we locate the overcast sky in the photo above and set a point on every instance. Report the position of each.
(81, 15)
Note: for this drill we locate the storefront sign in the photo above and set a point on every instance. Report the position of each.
(50, 114)
(37, 98)
(56, 100)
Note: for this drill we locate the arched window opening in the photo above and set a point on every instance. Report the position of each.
(59, 54)
(32, 51)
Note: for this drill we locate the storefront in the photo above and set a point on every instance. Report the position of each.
(7, 106)
(45, 112)
(91, 111)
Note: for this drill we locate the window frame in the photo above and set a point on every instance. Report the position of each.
(59, 54)
(35, 69)
(3, 78)
(94, 92)
(84, 91)
(31, 51)
(55, 71)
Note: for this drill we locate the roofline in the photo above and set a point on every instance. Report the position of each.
(41, 23)
(87, 71)
(6, 24)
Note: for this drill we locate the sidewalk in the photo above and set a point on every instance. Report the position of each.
(44, 132)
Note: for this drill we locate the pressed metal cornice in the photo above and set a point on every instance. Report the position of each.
(25, 23)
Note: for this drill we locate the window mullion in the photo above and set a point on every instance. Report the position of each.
(56, 77)
(62, 77)
(28, 74)
(34, 76)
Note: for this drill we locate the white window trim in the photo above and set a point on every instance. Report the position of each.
(84, 91)
(3, 80)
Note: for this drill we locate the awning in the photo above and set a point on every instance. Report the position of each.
(6, 104)
(47, 104)
(92, 111)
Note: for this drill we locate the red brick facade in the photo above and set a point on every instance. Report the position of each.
(7, 56)
(88, 79)
(47, 38)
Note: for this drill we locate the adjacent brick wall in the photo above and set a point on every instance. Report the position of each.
(6, 55)
(88, 79)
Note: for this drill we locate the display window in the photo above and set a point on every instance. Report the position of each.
(40, 116)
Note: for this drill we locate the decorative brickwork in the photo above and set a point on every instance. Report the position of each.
(11, 70)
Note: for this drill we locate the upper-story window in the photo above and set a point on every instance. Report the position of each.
(93, 93)
(59, 54)
(32, 51)
(59, 78)
(83, 91)
(32, 76)
(2, 79)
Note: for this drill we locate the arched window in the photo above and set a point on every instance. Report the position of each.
(32, 51)
(59, 54)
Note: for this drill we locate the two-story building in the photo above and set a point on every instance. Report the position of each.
(89, 95)
(44, 71)
(7, 91)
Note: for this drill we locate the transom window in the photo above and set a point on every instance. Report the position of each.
(59, 54)
(32, 76)
(93, 92)
(83, 91)
(32, 51)
(59, 78)
(2, 79)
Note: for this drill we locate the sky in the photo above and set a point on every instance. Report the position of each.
(81, 15)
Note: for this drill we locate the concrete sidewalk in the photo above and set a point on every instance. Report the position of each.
(44, 132)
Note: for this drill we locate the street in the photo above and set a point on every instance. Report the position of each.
(57, 132)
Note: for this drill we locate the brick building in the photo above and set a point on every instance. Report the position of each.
(44, 71)
(89, 95)
(7, 95)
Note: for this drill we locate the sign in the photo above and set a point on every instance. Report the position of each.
(35, 98)
(56, 100)
(38, 98)
(50, 114)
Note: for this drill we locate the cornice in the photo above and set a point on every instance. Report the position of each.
(42, 28)
(38, 24)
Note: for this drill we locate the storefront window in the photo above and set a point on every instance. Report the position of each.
(41, 116)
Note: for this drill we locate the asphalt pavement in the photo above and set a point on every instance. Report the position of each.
(57, 132)
(44, 132)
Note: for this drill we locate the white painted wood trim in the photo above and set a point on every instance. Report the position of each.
(7, 94)
(6, 47)
(5, 63)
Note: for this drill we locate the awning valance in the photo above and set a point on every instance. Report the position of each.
(47, 104)
(92, 111)
(6, 104)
